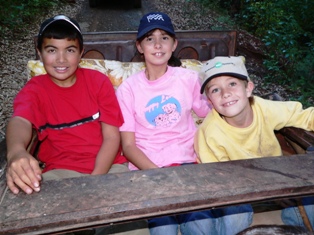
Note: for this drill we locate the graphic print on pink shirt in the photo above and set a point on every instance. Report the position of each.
(163, 111)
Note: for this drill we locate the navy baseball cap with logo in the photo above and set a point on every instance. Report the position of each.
(59, 18)
(155, 20)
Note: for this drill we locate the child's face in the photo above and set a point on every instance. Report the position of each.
(157, 48)
(61, 58)
(229, 96)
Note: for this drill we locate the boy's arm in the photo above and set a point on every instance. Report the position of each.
(23, 169)
(108, 149)
(133, 153)
(292, 114)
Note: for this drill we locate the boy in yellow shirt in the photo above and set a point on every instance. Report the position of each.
(241, 126)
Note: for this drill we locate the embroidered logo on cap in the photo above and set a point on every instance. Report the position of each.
(155, 17)
(218, 65)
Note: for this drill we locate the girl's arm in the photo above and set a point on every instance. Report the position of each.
(108, 150)
(133, 153)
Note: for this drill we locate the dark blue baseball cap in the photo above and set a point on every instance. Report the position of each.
(155, 20)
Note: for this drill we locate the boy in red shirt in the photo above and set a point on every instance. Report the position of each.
(74, 111)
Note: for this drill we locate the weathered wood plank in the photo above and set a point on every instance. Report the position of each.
(113, 198)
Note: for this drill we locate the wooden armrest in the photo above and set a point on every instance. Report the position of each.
(303, 138)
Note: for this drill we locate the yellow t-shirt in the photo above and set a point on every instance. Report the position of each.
(217, 141)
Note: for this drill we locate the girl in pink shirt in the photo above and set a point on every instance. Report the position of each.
(157, 102)
(157, 105)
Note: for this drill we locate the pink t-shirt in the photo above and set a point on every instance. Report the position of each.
(159, 113)
(68, 118)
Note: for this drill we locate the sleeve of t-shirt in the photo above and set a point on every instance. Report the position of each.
(109, 108)
(27, 103)
(200, 104)
(126, 101)
(291, 114)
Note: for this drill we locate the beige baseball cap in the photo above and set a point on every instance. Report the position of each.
(224, 66)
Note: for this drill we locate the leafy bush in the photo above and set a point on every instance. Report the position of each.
(286, 27)
(16, 14)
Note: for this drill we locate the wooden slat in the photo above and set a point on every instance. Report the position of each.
(303, 138)
(113, 198)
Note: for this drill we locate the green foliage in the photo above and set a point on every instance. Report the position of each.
(16, 14)
(303, 78)
(287, 29)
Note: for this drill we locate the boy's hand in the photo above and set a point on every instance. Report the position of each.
(23, 172)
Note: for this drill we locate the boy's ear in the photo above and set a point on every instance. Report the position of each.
(82, 52)
(39, 54)
(249, 89)
(210, 102)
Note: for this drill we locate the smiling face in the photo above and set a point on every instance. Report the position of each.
(230, 98)
(61, 58)
(157, 47)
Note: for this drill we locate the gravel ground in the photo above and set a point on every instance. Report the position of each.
(14, 53)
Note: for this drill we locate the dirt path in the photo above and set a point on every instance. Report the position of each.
(112, 16)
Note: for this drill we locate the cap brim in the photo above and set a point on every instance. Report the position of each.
(151, 27)
(236, 75)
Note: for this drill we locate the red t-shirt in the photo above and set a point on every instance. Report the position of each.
(68, 119)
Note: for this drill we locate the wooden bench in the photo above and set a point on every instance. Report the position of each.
(74, 204)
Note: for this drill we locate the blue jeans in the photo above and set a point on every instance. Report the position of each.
(292, 216)
(223, 221)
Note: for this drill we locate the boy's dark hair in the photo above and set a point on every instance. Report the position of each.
(173, 61)
(60, 29)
